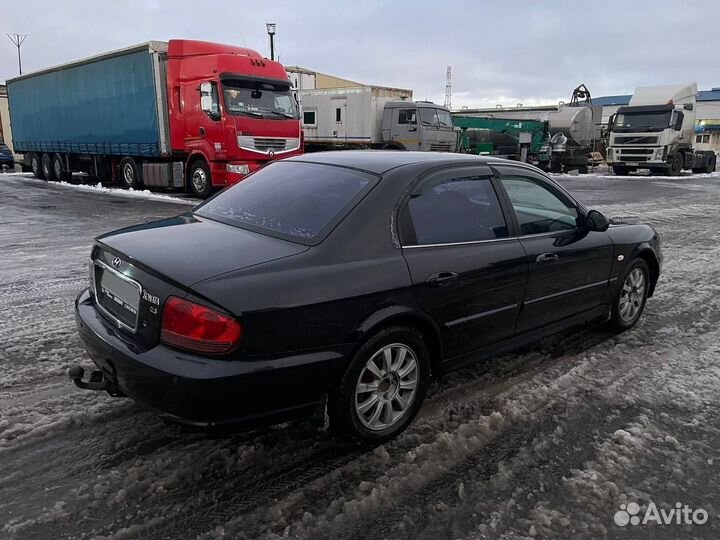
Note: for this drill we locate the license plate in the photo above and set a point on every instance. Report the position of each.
(631, 164)
(120, 297)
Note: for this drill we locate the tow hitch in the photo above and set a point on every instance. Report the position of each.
(97, 381)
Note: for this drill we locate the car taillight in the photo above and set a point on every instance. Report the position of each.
(198, 328)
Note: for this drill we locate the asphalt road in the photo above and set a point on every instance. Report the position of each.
(547, 442)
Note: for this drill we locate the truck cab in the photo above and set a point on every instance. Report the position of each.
(655, 132)
(419, 125)
(231, 108)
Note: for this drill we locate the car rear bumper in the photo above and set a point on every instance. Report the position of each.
(206, 392)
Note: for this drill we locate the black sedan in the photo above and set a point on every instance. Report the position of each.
(347, 280)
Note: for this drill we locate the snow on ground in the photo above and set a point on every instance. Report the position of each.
(177, 198)
(543, 443)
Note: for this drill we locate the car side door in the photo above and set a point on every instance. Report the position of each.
(569, 265)
(468, 272)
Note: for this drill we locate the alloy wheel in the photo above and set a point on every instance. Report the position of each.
(632, 295)
(386, 387)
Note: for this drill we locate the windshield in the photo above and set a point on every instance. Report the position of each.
(297, 201)
(273, 101)
(444, 118)
(630, 122)
(428, 117)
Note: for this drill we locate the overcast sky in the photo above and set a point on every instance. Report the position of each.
(500, 52)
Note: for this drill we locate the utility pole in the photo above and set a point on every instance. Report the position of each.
(17, 40)
(271, 32)
(448, 88)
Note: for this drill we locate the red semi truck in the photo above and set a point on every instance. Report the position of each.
(182, 114)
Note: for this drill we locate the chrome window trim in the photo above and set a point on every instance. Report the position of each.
(469, 243)
(122, 276)
(472, 242)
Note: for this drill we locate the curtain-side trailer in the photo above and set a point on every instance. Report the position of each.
(182, 114)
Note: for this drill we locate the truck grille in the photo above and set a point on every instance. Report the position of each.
(441, 147)
(268, 144)
(624, 151)
(635, 140)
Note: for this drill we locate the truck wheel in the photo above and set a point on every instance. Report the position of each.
(710, 167)
(675, 167)
(59, 169)
(200, 179)
(620, 170)
(47, 168)
(383, 387)
(36, 166)
(130, 173)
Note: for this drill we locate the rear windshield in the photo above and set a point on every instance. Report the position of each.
(301, 202)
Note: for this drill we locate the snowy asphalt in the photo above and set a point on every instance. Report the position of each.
(547, 442)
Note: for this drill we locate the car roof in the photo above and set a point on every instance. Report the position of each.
(381, 161)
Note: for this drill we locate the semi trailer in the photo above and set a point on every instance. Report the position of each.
(374, 117)
(655, 132)
(184, 114)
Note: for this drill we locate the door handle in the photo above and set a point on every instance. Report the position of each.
(440, 279)
(547, 258)
(202, 131)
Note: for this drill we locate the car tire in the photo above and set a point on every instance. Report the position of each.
(59, 169)
(130, 173)
(36, 166)
(620, 171)
(47, 168)
(200, 181)
(629, 301)
(375, 404)
(676, 164)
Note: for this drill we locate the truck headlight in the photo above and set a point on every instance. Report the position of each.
(658, 155)
(238, 169)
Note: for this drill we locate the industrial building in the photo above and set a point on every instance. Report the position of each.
(707, 118)
(307, 79)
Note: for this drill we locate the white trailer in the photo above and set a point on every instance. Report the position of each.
(347, 116)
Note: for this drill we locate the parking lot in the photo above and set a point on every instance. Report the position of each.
(540, 443)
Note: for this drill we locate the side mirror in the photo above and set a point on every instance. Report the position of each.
(596, 221)
(679, 121)
(688, 107)
(206, 104)
(611, 123)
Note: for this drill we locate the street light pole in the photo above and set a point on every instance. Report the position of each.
(17, 40)
(271, 32)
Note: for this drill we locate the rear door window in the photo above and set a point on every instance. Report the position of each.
(297, 201)
(455, 209)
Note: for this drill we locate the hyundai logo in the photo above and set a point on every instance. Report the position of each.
(116, 262)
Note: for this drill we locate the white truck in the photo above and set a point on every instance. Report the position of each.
(373, 117)
(655, 131)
